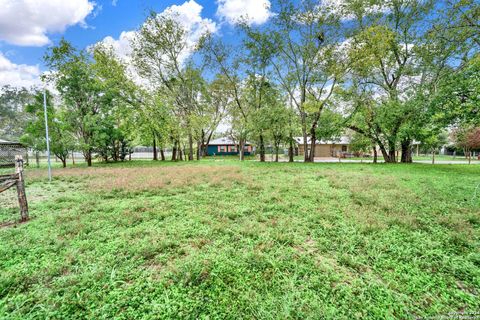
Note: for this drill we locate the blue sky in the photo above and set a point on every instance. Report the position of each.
(29, 27)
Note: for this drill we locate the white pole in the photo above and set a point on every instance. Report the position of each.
(46, 134)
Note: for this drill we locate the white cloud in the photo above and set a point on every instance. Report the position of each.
(28, 22)
(252, 11)
(18, 75)
(188, 15)
(121, 46)
(341, 7)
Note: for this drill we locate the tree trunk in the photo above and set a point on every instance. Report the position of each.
(433, 156)
(391, 156)
(174, 152)
(385, 154)
(375, 155)
(242, 150)
(204, 150)
(276, 152)
(64, 162)
(313, 137)
(37, 159)
(262, 149)
(469, 157)
(199, 150)
(155, 154)
(304, 131)
(406, 151)
(88, 158)
(190, 147)
(162, 154)
(180, 153)
(205, 145)
(115, 151)
(290, 148)
(73, 158)
(305, 140)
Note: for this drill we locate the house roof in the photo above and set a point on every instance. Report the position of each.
(341, 140)
(9, 142)
(224, 141)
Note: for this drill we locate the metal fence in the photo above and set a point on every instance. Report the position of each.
(9, 150)
(138, 154)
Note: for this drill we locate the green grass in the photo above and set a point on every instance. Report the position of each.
(224, 239)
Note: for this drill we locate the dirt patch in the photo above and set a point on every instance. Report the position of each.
(149, 178)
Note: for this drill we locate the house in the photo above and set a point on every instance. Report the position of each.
(226, 147)
(326, 149)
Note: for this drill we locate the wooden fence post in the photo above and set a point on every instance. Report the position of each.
(22, 198)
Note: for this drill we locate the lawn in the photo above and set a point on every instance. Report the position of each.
(224, 239)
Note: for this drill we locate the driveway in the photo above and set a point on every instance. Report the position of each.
(370, 160)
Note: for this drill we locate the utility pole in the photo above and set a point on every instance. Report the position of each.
(46, 134)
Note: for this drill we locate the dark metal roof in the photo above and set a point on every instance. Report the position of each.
(10, 143)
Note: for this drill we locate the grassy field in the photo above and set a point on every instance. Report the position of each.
(224, 239)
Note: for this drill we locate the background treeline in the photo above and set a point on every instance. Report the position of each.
(387, 72)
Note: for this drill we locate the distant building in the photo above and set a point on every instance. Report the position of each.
(226, 147)
(326, 149)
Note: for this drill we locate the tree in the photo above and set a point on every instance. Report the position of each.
(97, 97)
(227, 62)
(309, 63)
(272, 121)
(120, 98)
(385, 64)
(467, 138)
(434, 140)
(61, 140)
(460, 24)
(160, 55)
(457, 101)
(80, 90)
(281, 127)
(259, 87)
(13, 118)
(211, 112)
(360, 145)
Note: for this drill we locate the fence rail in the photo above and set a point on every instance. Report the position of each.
(9, 180)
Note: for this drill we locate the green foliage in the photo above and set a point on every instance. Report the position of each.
(61, 138)
(458, 97)
(433, 140)
(360, 144)
(97, 97)
(330, 126)
(400, 54)
(13, 118)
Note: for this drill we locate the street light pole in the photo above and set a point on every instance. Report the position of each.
(46, 134)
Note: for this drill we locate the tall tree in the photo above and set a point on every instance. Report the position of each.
(74, 78)
(161, 54)
(397, 63)
(61, 139)
(13, 118)
(227, 61)
(309, 62)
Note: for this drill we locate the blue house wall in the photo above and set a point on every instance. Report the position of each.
(213, 150)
